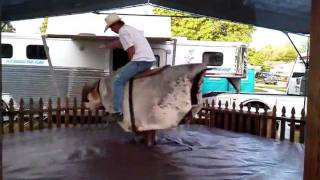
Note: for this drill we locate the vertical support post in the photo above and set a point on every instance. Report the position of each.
(312, 141)
(1, 107)
(1, 104)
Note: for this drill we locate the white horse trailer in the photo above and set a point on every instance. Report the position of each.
(225, 59)
(75, 59)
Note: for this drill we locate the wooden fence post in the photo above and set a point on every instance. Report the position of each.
(241, 123)
(248, 120)
(49, 113)
(1, 119)
(212, 114)
(75, 112)
(264, 122)
(207, 114)
(256, 121)
(292, 124)
(82, 113)
(274, 122)
(66, 112)
(58, 113)
(226, 123)
(233, 118)
(198, 121)
(302, 126)
(96, 116)
(283, 124)
(89, 117)
(11, 116)
(21, 116)
(31, 114)
(40, 114)
(219, 115)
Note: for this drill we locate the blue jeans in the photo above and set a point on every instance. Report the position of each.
(123, 76)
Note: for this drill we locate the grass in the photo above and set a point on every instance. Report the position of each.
(259, 87)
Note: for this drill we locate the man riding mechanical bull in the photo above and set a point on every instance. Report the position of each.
(140, 99)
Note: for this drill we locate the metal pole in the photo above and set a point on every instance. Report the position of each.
(306, 64)
(51, 69)
(306, 76)
(174, 52)
(294, 46)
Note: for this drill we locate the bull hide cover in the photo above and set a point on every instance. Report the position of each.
(160, 101)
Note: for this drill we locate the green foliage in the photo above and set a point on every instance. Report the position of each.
(265, 68)
(284, 53)
(254, 57)
(206, 28)
(44, 25)
(7, 27)
(220, 30)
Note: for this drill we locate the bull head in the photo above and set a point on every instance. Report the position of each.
(91, 95)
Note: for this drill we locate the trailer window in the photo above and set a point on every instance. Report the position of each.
(36, 52)
(296, 75)
(212, 58)
(6, 50)
(120, 58)
(156, 63)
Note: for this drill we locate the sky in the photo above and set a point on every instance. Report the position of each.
(263, 37)
(260, 38)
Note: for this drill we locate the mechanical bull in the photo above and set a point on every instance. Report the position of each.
(153, 100)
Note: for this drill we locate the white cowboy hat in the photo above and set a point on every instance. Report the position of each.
(111, 19)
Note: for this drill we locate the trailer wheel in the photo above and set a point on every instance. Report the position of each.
(254, 104)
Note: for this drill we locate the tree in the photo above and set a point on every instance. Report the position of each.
(284, 53)
(7, 27)
(265, 68)
(206, 28)
(255, 58)
(44, 25)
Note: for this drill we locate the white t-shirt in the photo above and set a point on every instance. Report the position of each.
(130, 36)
